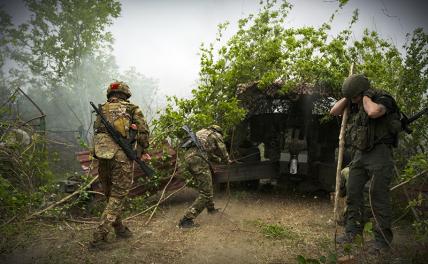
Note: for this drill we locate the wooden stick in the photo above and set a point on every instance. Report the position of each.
(415, 214)
(8, 221)
(163, 191)
(409, 180)
(82, 221)
(340, 154)
(62, 200)
(151, 207)
(339, 162)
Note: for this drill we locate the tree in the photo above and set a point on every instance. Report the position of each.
(144, 91)
(59, 40)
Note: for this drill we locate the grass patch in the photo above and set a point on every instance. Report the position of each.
(273, 231)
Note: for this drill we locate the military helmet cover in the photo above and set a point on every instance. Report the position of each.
(119, 87)
(354, 85)
(216, 128)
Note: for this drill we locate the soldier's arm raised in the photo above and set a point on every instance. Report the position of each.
(339, 106)
(373, 109)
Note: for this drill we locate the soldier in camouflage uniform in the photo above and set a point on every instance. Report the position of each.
(198, 164)
(372, 129)
(114, 168)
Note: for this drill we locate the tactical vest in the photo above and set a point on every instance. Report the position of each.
(363, 133)
(118, 114)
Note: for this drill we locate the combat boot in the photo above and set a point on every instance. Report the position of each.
(186, 223)
(99, 241)
(213, 210)
(123, 232)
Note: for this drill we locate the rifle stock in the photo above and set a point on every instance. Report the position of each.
(124, 145)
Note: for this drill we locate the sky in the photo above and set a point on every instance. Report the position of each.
(161, 38)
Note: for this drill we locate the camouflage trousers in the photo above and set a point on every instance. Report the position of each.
(201, 173)
(116, 179)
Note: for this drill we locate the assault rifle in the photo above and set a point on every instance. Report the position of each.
(123, 143)
(405, 121)
(193, 139)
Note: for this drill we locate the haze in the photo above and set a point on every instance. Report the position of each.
(162, 38)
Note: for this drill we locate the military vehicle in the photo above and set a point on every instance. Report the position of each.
(286, 138)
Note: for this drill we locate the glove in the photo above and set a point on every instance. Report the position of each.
(369, 93)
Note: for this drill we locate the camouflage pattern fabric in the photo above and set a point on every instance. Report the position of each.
(197, 164)
(201, 173)
(213, 144)
(115, 169)
(116, 179)
(121, 114)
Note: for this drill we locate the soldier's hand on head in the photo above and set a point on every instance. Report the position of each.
(369, 93)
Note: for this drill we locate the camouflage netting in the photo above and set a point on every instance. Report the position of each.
(273, 100)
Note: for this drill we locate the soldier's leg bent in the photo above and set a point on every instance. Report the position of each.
(202, 175)
(355, 200)
(108, 217)
(381, 203)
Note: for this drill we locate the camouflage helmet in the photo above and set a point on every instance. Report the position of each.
(354, 85)
(118, 87)
(216, 128)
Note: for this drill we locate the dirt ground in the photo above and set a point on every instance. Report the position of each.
(256, 227)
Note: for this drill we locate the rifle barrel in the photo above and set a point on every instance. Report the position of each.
(417, 115)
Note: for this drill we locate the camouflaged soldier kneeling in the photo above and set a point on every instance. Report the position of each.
(198, 164)
(114, 167)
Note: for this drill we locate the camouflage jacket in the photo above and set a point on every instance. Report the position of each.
(213, 145)
(363, 133)
(121, 114)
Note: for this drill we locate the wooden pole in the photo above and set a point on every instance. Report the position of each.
(340, 154)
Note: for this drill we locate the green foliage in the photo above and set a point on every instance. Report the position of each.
(60, 33)
(368, 228)
(421, 228)
(23, 169)
(137, 204)
(416, 172)
(264, 49)
(63, 57)
(274, 231)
